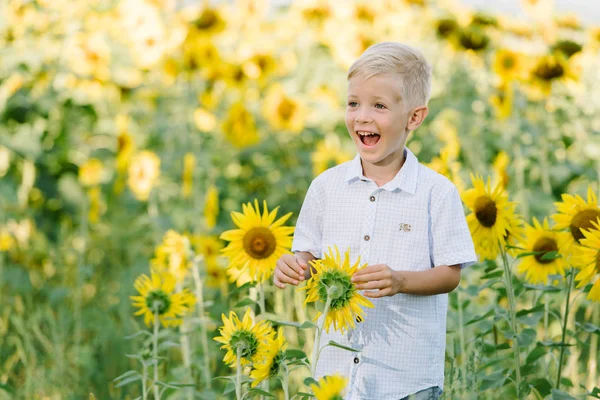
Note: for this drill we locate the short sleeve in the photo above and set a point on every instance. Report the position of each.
(451, 241)
(309, 227)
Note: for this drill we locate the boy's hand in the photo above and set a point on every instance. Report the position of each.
(290, 269)
(378, 276)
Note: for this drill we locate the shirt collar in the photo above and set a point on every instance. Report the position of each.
(405, 179)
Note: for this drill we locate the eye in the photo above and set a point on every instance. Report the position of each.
(380, 106)
(352, 104)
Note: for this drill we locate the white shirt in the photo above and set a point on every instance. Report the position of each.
(413, 223)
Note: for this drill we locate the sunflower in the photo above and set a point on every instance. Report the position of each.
(187, 178)
(490, 218)
(509, 65)
(211, 206)
(173, 255)
(91, 173)
(282, 111)
(547, 247)
(500, 165)
(210, 247)
(157, 295)
(239, 126)
(332, 277)
(588, 260)
(576, 214)
(250, 338)
(329, 388)
(329, 153)
(270, 361)
(144, 171)
(259, 241)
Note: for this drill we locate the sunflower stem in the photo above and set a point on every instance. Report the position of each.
(203, 333)
(461, 337)
(564, 328)
(185, 349)
(285, 383)
(513, 318)
(261, 298)
(238, 373)
(315, 357)
(155, 353)
(144, 377)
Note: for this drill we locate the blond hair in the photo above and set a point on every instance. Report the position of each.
(406, 62)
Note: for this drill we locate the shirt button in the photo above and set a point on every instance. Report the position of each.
(367, 238)
(355, 360)
(372, 198)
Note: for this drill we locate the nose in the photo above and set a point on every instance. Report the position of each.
(362, 116)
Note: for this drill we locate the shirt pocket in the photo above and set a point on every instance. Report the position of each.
(404, 243)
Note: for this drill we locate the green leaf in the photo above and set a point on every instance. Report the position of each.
(294, 353)
(495, 274)
(310, 381)
(589, 327)
(139, 333)
(245, 302)
(595, 392)
(551, 255)
(126, 375)
(543, 386)
(543, 288)
(245, 286)
(305, 394)
(129, 380)
(560, 395)
(535, 354)
(526, 337)
(229, 387)
(260, 392)
(6, 387)
(494, 380)
(335, 344)
(479, 318)
(308, 325)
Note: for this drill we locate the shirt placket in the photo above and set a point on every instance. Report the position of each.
(365, 250)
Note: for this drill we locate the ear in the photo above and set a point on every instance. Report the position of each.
(416, 117)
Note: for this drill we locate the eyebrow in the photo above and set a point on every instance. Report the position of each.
(374, 97)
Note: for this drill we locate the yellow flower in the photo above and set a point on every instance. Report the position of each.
(282, 111)
(91, 173)
(211, 207)
(189, 162)
(259, 241)
(144, 171)
(209, 21)
(448, 166)
(238, 275)
(588, 260)
(210, 247)
(329, 388)
(270, 361)
(239, 126)
(173, 255)
(548, 246)
(490, 218)
(97, 206)
(205, 120)
(549, 69)
(500, 164)
(251, 339)
(502, 101)
(7, 242)
(329, 153)
(157, 295)
(332, 277)
(509, 65)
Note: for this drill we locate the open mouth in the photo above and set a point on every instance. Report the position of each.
(368, 138)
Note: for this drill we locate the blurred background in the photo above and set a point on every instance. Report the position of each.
(120, 119)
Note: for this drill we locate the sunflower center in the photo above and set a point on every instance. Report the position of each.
(544, 245)
(549, 70)
(158, 301)
(247, 343)
(339, 287)
(583, 220)
(485, 211)
(259, 242)
(276, 364)
(598, 261)
(508, 62)
(286, 109)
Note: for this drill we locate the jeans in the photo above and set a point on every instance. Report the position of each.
(432, 393)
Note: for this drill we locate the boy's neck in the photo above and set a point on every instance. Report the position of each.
(384, 171)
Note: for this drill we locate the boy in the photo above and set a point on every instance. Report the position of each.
(403, 219)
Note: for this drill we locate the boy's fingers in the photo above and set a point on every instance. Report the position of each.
(293, 270)
(371, 285)
(277, 283)
(285, 278)
(379, 293)
(374, 276)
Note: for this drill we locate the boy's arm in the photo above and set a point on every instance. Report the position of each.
(437, 280)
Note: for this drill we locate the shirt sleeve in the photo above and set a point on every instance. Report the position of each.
(309, 227)
(451, 242)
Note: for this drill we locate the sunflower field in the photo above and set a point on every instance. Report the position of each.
(154, 156)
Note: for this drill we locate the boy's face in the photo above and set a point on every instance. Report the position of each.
(376, 119)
